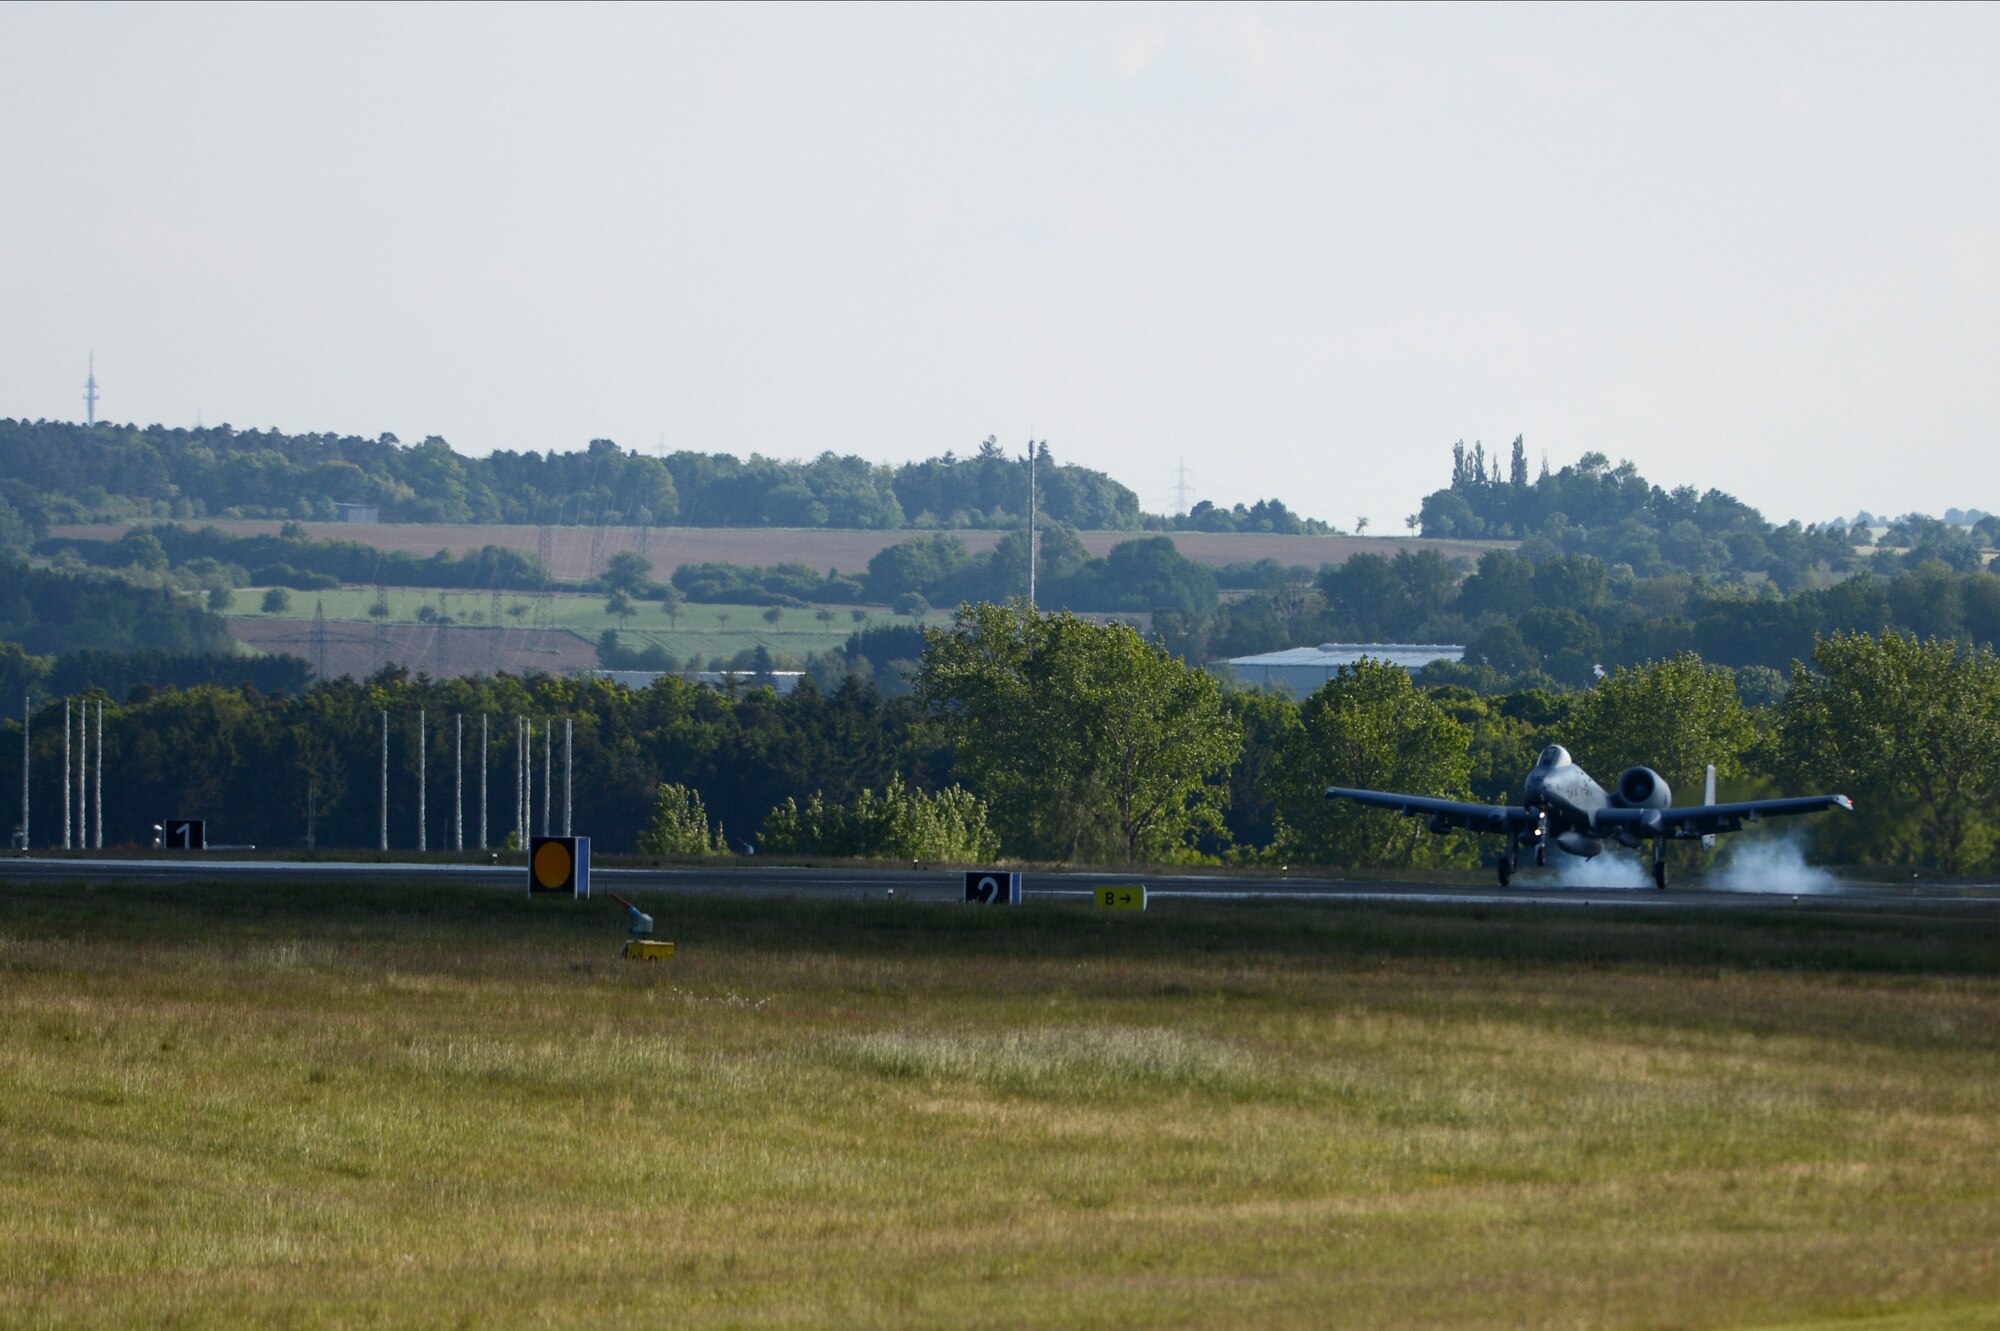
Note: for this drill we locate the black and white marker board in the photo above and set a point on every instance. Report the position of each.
(184, 834)
(993, 887)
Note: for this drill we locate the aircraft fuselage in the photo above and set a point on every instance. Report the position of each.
(1570, 798)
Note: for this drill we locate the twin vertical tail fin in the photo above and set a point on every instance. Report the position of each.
(1708, 797)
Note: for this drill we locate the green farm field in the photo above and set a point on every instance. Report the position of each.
(700, 631)
(319, 1106)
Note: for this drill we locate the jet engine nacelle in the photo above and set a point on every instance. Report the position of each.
(1642, 788)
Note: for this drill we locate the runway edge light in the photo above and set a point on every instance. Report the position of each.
(559, 866)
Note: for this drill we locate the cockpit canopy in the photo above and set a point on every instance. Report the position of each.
(1553, 756)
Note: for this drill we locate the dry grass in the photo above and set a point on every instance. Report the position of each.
(437, 1108)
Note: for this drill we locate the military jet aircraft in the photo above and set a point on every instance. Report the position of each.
(1560, 803)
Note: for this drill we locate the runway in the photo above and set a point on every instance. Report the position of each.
(748, 878)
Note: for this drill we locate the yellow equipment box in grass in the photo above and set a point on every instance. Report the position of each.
(645, 949)
(1122, 897)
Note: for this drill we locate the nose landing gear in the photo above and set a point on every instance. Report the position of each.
(1538, 836)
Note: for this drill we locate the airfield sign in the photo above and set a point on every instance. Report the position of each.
(184, 834)
(993, 887)
(1122, 896)
(559, 866)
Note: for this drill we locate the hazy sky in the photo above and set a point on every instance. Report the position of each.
(1303, 249)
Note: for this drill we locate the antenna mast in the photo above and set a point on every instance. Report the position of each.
(1031, 524)
(1181, 487)
(90, 393)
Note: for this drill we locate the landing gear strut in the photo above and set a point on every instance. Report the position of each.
(1660, 869)
(1506, 869)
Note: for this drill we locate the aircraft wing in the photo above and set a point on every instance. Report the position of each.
(1444, 814)
(1707, 819)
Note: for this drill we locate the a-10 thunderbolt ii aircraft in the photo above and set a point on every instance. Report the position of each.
(1560, 803)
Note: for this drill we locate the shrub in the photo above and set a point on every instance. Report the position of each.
(900, 824)
(680, 825)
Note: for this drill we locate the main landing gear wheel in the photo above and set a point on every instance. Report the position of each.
(1660, 874)
(1506, 870)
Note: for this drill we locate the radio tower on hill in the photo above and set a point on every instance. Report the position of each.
(90, 393)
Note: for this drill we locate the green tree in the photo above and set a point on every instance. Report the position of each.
(20, 674)
(680, 825)
(1088, 742)
(1268, 721)
(628, 571)
(1910, 729)
(620, 604)
(277, 601)
(1674, 716)
(1368, 728)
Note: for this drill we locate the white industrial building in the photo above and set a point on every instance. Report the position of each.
(1302, 671)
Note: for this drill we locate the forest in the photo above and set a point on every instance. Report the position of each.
(54, 472)
(1070, 741)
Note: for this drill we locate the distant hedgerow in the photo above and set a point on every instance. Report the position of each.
(899, 823)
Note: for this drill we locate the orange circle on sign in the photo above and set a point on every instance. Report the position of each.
(552, 864)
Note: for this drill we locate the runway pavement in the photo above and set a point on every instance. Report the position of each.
(743, 877)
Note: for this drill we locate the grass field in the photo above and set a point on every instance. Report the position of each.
(442, 1107)
(701, 631)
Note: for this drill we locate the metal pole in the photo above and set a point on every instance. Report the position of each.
(458, 786)
(569, 772)
(27, 711)
(65, 774)
(83, 775)
(385, 780)
(548, 753)
(99, 839)
(1031, 524)
(482, 781)
(423, 787)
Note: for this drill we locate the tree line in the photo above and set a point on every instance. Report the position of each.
(1612, 512)
(1143, 574)
(293, 559)
(1064, 739)
(1544, 618)
(55, 472)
